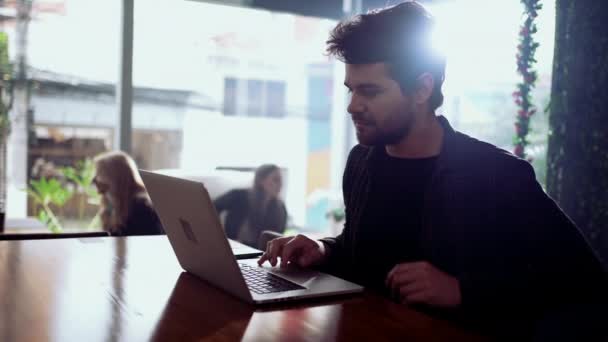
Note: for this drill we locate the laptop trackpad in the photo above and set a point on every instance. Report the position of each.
(297, 275)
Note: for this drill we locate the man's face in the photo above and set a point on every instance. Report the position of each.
(382, 114)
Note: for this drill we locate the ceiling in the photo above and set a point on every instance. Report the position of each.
(315, 8)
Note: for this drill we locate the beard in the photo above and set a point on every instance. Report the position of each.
(390, 133)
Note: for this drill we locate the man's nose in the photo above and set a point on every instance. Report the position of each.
(356, 106)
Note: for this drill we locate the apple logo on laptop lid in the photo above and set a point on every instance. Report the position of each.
(187, 228)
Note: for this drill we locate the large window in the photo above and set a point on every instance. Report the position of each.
(254, 93)
(480, 39)
(65, 115)
(259, 98)
(210, 95)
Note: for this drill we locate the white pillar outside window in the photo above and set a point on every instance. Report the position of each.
(124, 88)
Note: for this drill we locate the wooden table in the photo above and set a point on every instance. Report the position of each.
(29, 228)
(132, 289)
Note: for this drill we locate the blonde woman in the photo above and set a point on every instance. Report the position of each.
(125, 206)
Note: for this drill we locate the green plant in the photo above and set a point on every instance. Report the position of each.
(46, 193)
(5, 105)
(337, 214)
(82, 176)
(55, 193)
(526, 59)
(5, 86)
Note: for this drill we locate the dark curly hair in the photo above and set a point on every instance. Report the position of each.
(399, 36)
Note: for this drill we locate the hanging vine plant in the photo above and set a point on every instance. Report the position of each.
(526, 51)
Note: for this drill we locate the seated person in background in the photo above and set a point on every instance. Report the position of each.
(250, 211)
(126, 208)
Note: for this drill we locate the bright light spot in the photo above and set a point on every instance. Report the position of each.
(478, 38)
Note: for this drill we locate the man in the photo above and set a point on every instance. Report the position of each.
(436, 219)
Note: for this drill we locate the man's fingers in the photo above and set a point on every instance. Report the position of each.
(411, 289)
(406, 281)
(421, 282)
(273, 248)
(266, 256)
(395, 269)
(276, 248)
(418, 297)
(411, 267)
(263, 259)
(399, 268)
(299, 249)
(291, 249)
(402, 278)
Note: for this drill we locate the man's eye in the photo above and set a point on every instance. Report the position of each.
(370, 92)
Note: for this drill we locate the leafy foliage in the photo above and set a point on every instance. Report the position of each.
(47, 193)
(52, 193)
(82, 176)
(525, 67)
(5, 85)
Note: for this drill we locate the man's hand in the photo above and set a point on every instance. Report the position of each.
(298, 250)
(422, 283)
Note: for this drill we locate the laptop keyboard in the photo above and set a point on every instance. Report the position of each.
(260, 281)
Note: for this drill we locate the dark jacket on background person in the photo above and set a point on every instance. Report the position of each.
(487, 222)
(236, 203)
(142, 219)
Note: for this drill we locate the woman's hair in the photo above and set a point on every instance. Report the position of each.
(273, 213)
(119, 171)
(261, 173)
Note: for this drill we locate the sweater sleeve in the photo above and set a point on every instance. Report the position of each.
(553, 265)
(143, 219)
(225, 201)
(280, 222)
(336, 246)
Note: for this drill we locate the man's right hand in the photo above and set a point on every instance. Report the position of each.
(298, 250)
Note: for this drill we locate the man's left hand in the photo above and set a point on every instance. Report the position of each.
(423, 283)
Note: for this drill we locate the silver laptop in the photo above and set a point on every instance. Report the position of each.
(242, 251)
(200, 244)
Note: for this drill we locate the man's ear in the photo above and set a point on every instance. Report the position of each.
(424, 88)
